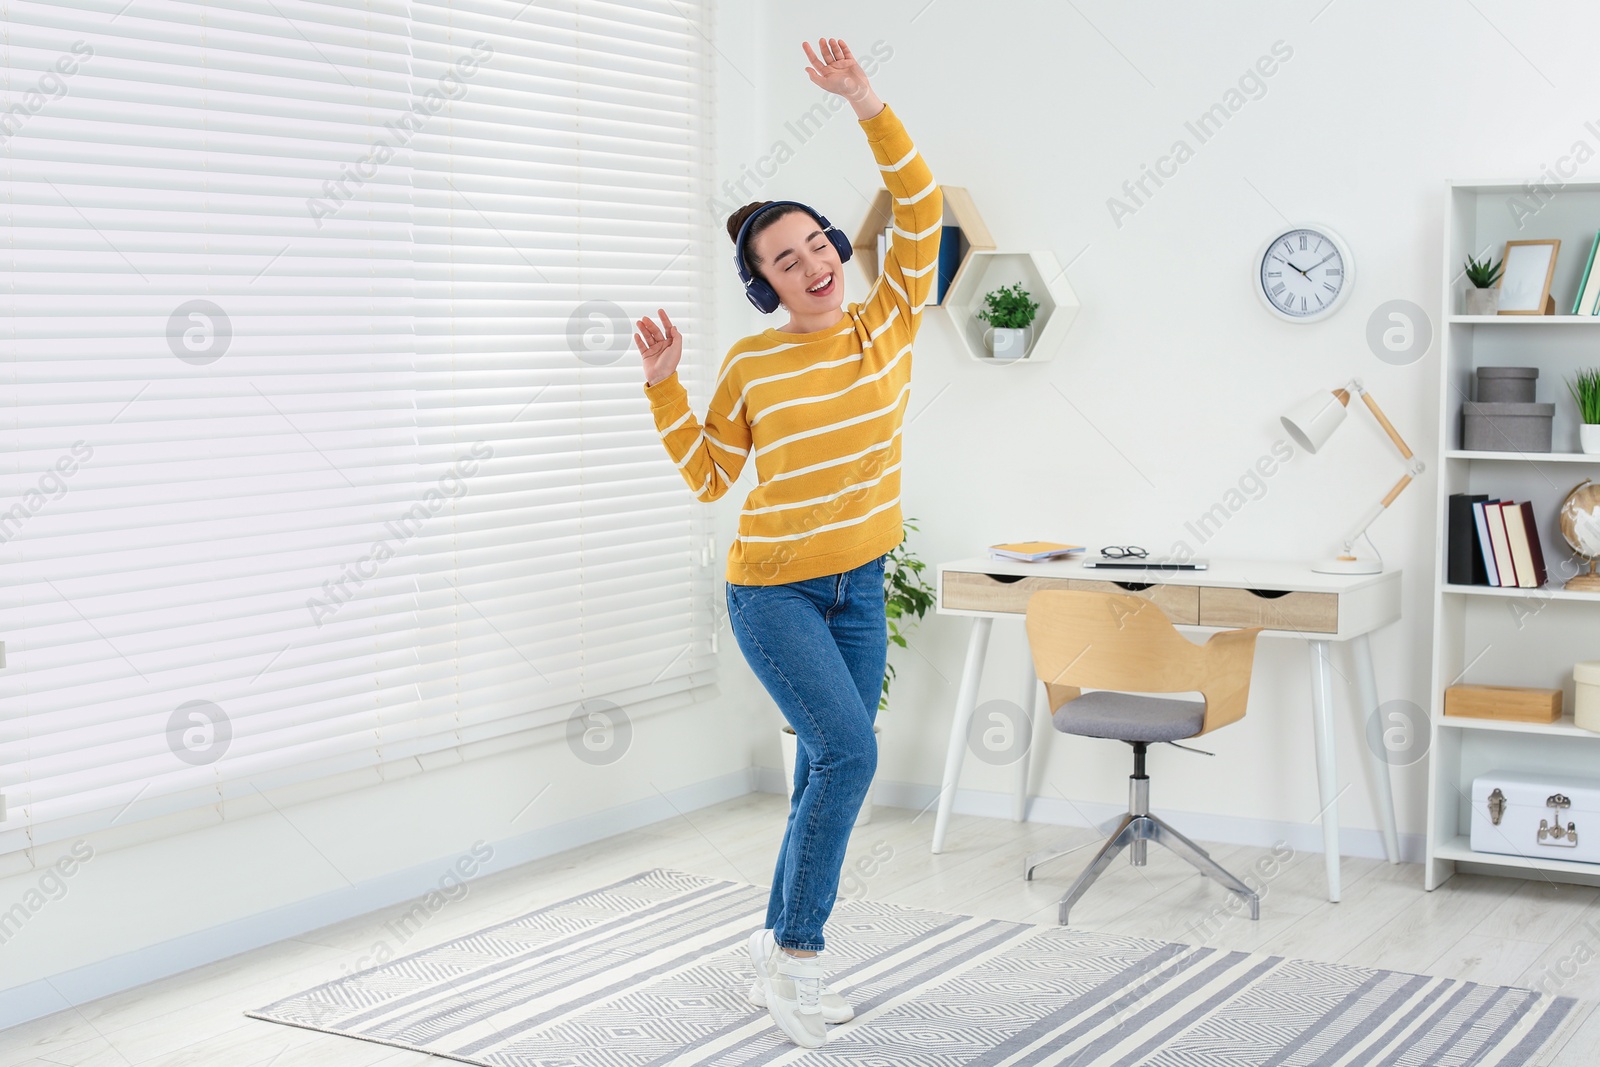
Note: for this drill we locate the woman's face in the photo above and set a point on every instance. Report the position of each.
(795, 257)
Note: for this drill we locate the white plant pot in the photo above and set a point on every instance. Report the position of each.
(1008, 343)
(1589, 437)
(790, 747)
(1483, 301)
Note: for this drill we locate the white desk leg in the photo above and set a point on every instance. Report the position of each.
(1367, 683)
(1030, 705)
(1327, 768)
(966, 701)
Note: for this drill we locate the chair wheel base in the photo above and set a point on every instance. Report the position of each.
(1137, 829)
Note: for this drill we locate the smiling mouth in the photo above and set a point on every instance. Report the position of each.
(825, 290)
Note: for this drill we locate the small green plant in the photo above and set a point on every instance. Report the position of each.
(1009, 308)
(904, 593)
(1482, 273)
(1586, 394)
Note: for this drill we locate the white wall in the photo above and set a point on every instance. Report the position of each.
(1175, 372)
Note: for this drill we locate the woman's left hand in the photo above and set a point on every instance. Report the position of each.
(837, 71)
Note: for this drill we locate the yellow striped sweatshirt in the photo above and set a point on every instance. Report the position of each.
(819, 413)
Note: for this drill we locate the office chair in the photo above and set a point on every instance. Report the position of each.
(1118, 641)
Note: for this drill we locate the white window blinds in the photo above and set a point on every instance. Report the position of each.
(559, 197)
(301, 475)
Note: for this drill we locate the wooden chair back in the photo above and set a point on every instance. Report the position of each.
(1083, 638)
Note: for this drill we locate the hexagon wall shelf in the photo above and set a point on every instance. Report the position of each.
(959, 211)
(1040, 274)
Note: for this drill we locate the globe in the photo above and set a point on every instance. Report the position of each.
(1580, 526)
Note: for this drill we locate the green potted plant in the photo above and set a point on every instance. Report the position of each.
(904, 593)
(1009, 313)
(1483, 298)
(1585, 389)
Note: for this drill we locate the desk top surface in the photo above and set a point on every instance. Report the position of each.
(1236, 573)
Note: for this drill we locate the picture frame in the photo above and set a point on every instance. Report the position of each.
(1525, 278)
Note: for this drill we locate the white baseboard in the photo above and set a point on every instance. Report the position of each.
(1222, 829)
(43, 997)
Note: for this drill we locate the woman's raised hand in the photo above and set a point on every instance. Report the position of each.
(661, 348)
(837, 71)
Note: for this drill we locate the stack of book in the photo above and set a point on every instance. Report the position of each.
(1587, 301)
(1032, 551)
(1493, 542)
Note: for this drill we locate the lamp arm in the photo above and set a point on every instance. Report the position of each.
(1355, 386)
(1381, 506)
(1383, 420)
(1416, 467)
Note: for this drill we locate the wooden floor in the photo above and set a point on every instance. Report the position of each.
(1498, 930)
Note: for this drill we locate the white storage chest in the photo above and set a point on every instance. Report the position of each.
(1546, 816)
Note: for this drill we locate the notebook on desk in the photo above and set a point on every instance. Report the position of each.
(1145, 564)
(1033, 551)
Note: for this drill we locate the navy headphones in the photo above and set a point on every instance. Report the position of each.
(755, 286)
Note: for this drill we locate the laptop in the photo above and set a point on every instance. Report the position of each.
(1143, 564)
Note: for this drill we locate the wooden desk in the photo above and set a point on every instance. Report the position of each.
(1287, 599)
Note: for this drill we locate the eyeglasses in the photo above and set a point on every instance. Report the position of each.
(1119, 551)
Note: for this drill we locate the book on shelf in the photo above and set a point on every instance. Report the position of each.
(949, 261)
(1589, 287)
(1485, 553)
(1517, 538)
(1032, 551)
(1464, 563)
(1530, 540)
(1492, 542)
(1498, 544)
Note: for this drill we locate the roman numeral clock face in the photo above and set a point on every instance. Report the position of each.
(1304, 273)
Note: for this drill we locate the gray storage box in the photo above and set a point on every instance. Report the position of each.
(1506, 427)
(1507, 384)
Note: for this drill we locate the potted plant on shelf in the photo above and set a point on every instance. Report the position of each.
(1009, 313)
(904, 593)
(1585, 391)
(1483, 298)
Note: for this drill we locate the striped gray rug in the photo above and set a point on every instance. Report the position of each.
(652, 972)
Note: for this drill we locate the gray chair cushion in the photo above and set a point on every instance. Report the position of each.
(1129, 717)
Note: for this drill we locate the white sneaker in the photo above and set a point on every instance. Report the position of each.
(835, 1009)
(793, 993)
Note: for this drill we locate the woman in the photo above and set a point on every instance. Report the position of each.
(818, 403)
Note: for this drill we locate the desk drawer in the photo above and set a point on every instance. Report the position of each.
(967, 591)
(1180, 603)
(1273, 608)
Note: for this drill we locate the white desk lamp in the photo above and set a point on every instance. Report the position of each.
(1311, 423)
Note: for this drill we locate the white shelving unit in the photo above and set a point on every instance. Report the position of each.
(1045, 281)
(1497, 636)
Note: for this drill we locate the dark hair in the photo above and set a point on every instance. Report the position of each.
(736, 220)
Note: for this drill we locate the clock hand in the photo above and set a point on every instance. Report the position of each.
(1319, 263)
(1285, 259)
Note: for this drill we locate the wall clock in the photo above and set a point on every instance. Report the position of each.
(1304, 272)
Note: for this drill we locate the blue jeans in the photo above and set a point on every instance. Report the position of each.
(819, 647)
